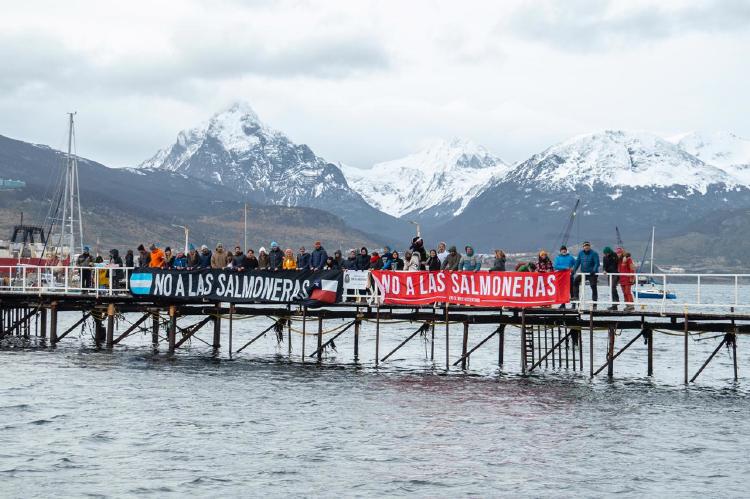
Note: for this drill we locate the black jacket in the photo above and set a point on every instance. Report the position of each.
(275, 259)
(611, 263)
(363, 262)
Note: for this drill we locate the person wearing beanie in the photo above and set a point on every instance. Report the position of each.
(204, 257)
(565, 261)
(275, 257)
(220, 259)
(193, 260)
(452, 260)
(469, 260)
(262, 259)
(611, 265)
(544, 264)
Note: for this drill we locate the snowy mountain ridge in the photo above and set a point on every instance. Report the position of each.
(616, 158)
(441, 178)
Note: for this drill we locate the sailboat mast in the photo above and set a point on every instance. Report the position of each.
(653, 233)
(70, 181)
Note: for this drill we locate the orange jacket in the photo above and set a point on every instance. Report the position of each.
(157, 259)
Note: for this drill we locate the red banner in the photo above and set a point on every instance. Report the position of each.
(483, 289)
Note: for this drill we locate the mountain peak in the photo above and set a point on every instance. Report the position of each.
(718, 148)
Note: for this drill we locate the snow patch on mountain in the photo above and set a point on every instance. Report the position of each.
(722, 149)
(442, 178)
(616, 158)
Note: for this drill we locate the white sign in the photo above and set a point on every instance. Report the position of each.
(356, 279)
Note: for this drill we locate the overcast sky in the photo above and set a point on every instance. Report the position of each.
(362, 82)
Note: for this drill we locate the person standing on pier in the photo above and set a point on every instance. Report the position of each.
(452, 260)
(129, 259)
(275, 257)
(338, 259)
(363, 259)
(627, 266)
(351, 262)
(411, 261)
(168, 258)
(500, 260)
(158, 258)
(442, 253)
(251, 262)
(238, 259)
(588, 263)
(193, 259)
(205, 257)
(115, 260)
(433, 261)
(262, 259)
(544, 264)
(85, 261)
(289, 262)
(469, 262)
(303, 259)
(220, 259)
(611, 264)
(397, 263)
(565, 261)
(318, 257)
(144, 259)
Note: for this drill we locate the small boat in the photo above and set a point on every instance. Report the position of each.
(648, 288)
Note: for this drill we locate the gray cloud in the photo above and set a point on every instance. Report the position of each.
(591, 25)
(45, 62)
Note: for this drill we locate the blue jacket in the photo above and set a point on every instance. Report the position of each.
(388, 261)
(303, 261)
(318, 258)
(564, 262)
(587, 262)
(205, 260)
(470, 261)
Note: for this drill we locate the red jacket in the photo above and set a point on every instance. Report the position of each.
(626, 266)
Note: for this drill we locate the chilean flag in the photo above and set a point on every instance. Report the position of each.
(324, 290)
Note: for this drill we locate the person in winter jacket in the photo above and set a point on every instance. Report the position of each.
(338, 258)
(238, 259)
(375, 262)
(318, 257)
(387, 258)
(288, 261)
(85, 260)
(168, 258)
(526, 267)
(204, 258)
(417, 246)
(627, 266)
(330, 264)
(442, 252)
(611, 265)
(564, 260)
(363, 259)
(452, 260)
(220, 259)
(158, 258)
(411, 261)
(129, 259)
(469, 260)
(115, 260)
(263, 262)
(180, 261)
(543, 264)
(351, 262)
(275, 257)
(499, 264)
(396, 262)
(433, 261)
(303, 259)
(193, 258)
(588, 262)
(144, 259)
(251, 262)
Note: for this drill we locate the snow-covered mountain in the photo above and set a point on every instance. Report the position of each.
(630, 179)
(614, 159)
(722, 149)
(434, 183)
(236, 149)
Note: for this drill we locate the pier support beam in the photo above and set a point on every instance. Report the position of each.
(304, 331)
(377, 335)
(524, 360)
(217, 327)
(501, 347)
(611, 352)
(447, 340)
(686, 347)
(356, 340)
(43, 323)
(648, 335)
(110, 325)
(591, 345)
(465, 346)
(320, 339)
(172, 332)
(155, 329)
(53, 323)
(231, 327)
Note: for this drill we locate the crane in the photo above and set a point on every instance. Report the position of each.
(619, 238)
(565, 233)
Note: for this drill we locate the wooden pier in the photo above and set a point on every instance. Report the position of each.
(557, 338)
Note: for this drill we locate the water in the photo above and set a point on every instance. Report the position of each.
(77, 421)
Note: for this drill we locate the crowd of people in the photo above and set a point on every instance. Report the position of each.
(584, 267)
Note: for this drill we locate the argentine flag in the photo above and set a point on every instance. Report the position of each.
(140, 283)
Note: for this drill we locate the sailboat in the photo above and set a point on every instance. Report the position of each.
(649, 288)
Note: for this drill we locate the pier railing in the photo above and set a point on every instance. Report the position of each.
(726, 293)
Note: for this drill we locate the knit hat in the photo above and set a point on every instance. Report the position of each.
(563, 247)
(619, 250)
(262, 250)
(607, 250)
(191, 247)
(274, 244)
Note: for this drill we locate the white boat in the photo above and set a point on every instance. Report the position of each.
(650, 289)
